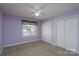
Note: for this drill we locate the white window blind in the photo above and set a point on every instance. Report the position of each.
(29, 28)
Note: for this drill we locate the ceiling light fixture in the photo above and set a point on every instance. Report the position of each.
(36, 12)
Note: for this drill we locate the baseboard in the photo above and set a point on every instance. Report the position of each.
(19, 43)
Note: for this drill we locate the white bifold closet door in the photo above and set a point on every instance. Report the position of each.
(67, 33)
(71, 29)
(60, 33)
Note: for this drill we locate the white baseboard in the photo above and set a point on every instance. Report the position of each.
(19, 43)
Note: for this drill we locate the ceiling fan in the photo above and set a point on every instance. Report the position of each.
(37, 11)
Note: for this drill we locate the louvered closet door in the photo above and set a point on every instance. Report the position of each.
(71, 33)
(60, 32)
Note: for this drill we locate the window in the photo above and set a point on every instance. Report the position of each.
(29, 28)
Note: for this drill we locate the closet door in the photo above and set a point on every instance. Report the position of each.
(60, 33)
(71, 33)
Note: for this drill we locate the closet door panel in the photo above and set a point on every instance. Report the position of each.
(70, 33)
(60, 33)
(67, 34)
(74, 34)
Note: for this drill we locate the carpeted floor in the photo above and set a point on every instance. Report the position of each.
(38, 48)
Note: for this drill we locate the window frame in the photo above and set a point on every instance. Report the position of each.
(30, 23)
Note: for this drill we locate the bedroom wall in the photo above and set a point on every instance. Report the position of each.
(46, 31)
(12, 31)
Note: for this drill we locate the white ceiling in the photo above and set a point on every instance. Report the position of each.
(47, 9)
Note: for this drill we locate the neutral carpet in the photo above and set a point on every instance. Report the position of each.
(38, 48)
